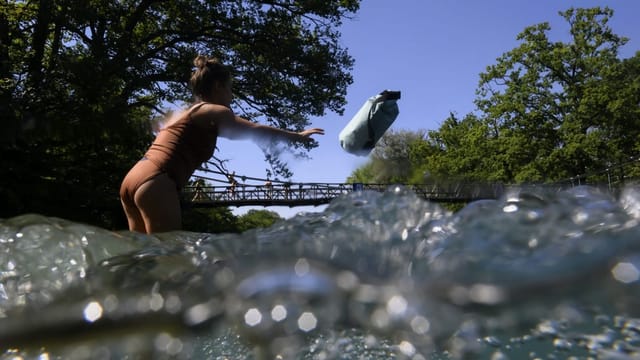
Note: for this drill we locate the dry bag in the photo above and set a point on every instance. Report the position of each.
(369, 124)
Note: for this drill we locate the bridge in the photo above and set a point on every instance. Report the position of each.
(301, 194)
(284, 193)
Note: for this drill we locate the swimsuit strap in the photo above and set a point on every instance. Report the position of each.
(196, 107)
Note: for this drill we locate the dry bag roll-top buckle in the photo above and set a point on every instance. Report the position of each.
(385, 95)
(391, 95)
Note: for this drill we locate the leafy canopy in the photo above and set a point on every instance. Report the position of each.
(81, 81)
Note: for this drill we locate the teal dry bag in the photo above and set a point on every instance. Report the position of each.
(364, 130)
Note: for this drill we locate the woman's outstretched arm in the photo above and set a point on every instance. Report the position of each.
(234, 127)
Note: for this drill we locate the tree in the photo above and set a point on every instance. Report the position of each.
(464, 149)
(545, 106)
(614, 101)
(390, 160)
(80, 82)
(210, 220)
(257, 219)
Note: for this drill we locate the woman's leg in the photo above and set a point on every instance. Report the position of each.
(159, 204)
(139, 173)
(134, 217)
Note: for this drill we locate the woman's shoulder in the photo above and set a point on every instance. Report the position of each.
(214, 107)
(209, 113)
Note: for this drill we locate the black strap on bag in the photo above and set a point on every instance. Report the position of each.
(386, 95)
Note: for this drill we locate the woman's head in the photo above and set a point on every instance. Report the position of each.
(211, 81)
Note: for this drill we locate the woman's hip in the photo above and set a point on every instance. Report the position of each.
(142, 172)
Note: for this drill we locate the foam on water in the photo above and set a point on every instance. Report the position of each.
(536, 274)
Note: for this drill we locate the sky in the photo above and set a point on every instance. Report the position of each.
(433, 52)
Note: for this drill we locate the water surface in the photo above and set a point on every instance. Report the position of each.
(537, 274)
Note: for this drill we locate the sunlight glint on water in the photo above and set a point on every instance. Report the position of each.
(536, 274)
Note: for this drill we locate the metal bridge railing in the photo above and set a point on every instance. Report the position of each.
(276, 194)
(296, 194)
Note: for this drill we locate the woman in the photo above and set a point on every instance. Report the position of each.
(150, 192)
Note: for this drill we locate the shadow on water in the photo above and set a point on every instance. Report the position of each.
(534, 274)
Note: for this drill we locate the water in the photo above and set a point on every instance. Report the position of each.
(537, 274)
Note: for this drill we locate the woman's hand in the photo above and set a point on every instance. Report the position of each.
(305, 135)
(313, 131)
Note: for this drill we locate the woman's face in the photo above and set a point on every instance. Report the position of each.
(223, 94)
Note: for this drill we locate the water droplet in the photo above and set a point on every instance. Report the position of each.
(420, 325)
(93, 311)
(397, 305)
(625, 272)
(279, 313)
(301, 267)
(307, 321)
(253, 317)
(198, 314)
(492, 341)
(486, 294)
(407, 348)
(562, 344)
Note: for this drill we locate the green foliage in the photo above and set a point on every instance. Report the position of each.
(461, 146)
(80, 83)
(547, 106)
(391, 159)
(211, 220)
(221, 220)
(257, 219)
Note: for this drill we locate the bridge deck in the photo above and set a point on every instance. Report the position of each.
(300, 194)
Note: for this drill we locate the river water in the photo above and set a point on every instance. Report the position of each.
(536, 274)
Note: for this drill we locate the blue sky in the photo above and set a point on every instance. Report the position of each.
(432, 51)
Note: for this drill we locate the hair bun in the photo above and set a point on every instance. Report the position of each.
(200, 61)
(208, 72)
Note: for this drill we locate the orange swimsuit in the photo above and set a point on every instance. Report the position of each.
(178, 150)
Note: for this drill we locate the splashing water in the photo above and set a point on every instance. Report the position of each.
(536, 274)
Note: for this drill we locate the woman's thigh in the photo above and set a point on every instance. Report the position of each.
(159, 204)
(134, 217)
